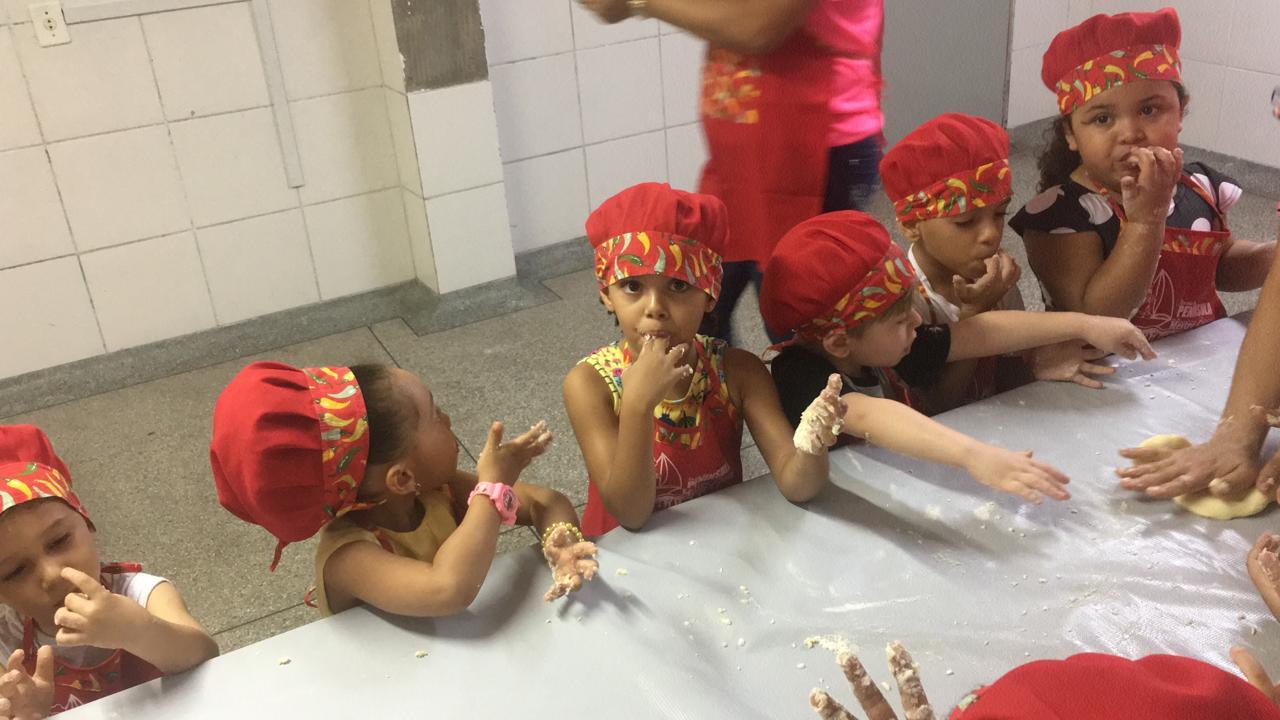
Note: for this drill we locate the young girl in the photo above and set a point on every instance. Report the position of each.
(1120, 227)
(658, 414)
(74, 629)
(364, 455)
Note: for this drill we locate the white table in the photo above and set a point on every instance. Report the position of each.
(895, 550)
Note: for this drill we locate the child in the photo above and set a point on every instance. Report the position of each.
(1120, 228)
(365, 456)
(950, 184)
(845, 292)
(74, 630)
(659, 413)
(1087, 686)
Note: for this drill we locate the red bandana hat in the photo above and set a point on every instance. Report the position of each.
(948, 166)
(1109, 50)
(832, 272)
(653, 229)
(31, 470)
(1092, 686)
(290, 447)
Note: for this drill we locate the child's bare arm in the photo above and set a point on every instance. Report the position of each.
(1244, 265)
(400, 585)
(800, 475)
(1005, 331)
(894, 426)
(163, 633)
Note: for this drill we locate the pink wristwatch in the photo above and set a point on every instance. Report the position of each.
(503, 498)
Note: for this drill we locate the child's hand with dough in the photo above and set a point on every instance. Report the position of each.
(1263, 562)
(905, 673)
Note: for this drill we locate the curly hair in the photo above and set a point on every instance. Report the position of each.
(1058, 160)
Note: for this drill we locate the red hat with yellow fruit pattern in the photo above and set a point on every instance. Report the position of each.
(31, 470)
(946, 167)
(653, 229)
(290, 447)
(1109, 50)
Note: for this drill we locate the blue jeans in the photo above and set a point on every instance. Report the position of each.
(853, 176)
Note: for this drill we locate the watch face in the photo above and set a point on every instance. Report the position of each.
(508, 500)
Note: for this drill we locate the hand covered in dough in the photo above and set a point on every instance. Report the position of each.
(915, 704)
(1263, 562)
(822, 421)
(1224, 465)
(572, 562)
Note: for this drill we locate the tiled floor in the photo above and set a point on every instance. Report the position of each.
(139, 452)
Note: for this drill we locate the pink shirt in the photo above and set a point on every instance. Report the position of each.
(854, 29)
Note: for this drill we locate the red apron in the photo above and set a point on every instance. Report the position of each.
(766, 119)
(74, 686)
(690, 459)
(1184, 291)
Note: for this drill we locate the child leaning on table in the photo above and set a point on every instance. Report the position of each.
(843, 291)
(74, 629)
(364, 456)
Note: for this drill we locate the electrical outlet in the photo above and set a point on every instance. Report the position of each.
(49, 23)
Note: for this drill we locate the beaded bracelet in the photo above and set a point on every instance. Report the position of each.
(546, 534)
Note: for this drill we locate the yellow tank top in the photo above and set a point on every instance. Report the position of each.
(420, 543)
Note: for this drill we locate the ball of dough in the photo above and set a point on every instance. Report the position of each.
(1204, 503)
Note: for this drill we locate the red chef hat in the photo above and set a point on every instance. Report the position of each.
(1109, 50)
(31, 470)
(948, 166)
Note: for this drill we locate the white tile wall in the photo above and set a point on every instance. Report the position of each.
(326, 46)
(120, 187)
(100, 82)
(206, 60)
(345, 144)
(589, 32)
(1252, 41)
(1029, 99)
(536, 102)
(1035, 22)
(456, 133)
(148, 291)
(1206, 28)
(1245, 110)
(523, 29)
(18, 127)
(616, 165)
(547, 199)
(402, 140)
(621, 90)
(682, 55)
(231, 166)
(424, 261)
(359, 243)
(258, 266)
(59, 328)
(471, 237)
(30, 211)
(686, 154)
(1200, 126)
(384, 33)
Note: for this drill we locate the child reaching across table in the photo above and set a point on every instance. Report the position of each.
(74, 629)
(659, 412)
(365, 456)
(843, 291)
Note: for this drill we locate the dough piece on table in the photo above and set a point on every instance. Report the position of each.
(1204, 503)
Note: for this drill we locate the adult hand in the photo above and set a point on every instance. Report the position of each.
(986, 292)
(572, 563)
(1147, 192)
(1118, 336)
(822, 421)
(655, 373)
(1016, 473)
(905, 673)
(1224, 464)
(503, 461)
(609, 11)
(23, 696)
(1070, 361)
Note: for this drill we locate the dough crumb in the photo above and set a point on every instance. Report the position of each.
(950, 671)
(283, 661)
(420, 654)
(726, 621)
(742, 642)
(621, 571)
(985, 512)
(800, 666)
(934, 512)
